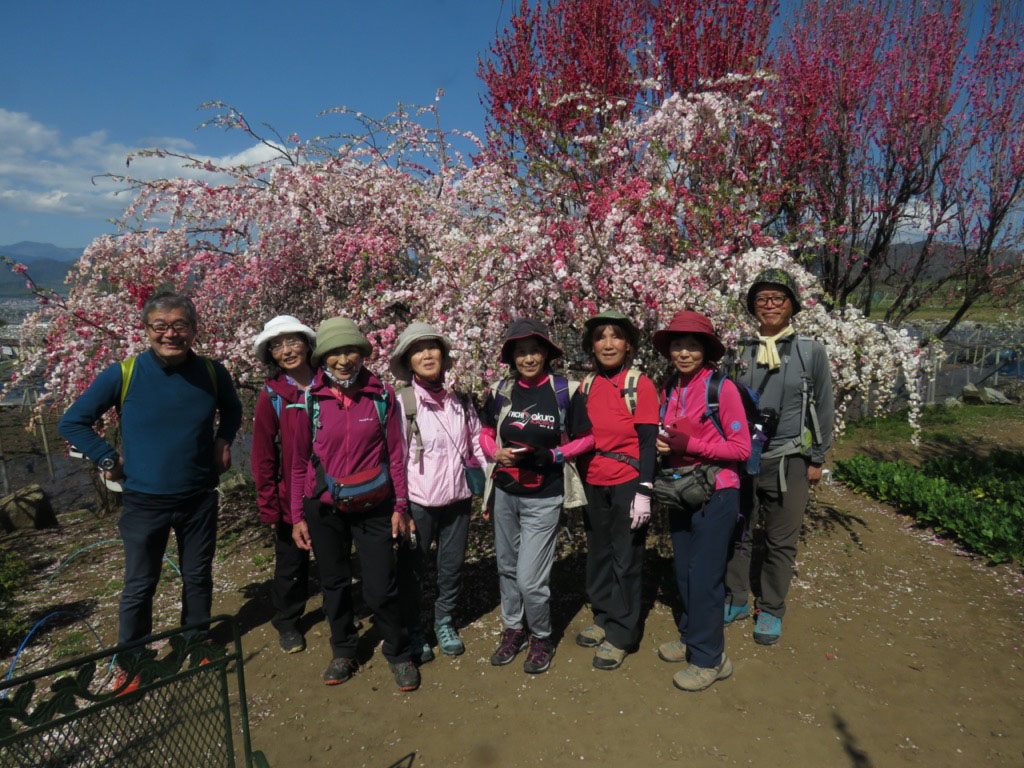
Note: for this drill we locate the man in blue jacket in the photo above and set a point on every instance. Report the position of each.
(168, 397)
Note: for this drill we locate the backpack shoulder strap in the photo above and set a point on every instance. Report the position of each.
(275, 401)
(587, 383)
(502, 393)
(408, 398)
(712, 399)
(212, 373)
(127, 369)
(629, 389)
(562, 396)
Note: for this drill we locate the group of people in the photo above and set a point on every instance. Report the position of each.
(342, 458)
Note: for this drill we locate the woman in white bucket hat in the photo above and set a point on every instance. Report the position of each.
(285, 346)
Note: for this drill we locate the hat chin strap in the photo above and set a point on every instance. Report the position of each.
(344, 383)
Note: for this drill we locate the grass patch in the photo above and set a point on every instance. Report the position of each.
(12, 575)
(71, 645)
(975, 499)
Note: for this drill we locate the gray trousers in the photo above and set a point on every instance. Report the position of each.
(525, 530)
(449, 526)
(783, 514)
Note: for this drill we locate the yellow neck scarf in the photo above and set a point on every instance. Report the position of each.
(767, 352)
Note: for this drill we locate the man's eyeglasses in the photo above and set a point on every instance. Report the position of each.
(178, 326)
(774, 300)
(280, 344)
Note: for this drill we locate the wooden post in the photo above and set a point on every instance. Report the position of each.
(42, 431)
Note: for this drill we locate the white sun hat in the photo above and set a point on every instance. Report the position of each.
(277, 326)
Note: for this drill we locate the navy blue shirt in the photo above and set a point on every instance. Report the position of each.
(166, 422)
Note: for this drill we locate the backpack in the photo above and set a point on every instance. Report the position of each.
(128, 369)
(275, 401)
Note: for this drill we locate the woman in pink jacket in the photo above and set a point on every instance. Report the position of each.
(441, 432)
(286, 346)
(349, 467)
(696, 437)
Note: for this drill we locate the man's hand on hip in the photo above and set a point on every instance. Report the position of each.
(222, 455)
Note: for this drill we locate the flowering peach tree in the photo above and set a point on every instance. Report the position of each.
(392, 223)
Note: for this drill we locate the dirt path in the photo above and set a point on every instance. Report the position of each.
(898, 649)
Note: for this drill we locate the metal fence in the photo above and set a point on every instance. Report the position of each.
(184, 712)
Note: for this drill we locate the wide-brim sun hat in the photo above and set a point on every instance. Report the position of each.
(778, 278)
(524, 328)
(279, 326)
(610, 317)
(417, 331)
(685, 322)
(337, 332)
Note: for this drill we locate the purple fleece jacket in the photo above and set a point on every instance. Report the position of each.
(349, 440)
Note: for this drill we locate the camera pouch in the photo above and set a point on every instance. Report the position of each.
(685, 489)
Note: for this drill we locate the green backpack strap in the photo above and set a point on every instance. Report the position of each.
(128, 369)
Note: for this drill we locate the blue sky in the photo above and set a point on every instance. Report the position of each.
(83, 83)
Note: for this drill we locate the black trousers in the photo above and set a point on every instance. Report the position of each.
(146, 523)
(290, 587)
(615, 556)
(333, 534)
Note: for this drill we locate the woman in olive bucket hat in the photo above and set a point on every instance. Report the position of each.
(350, 467)
(694, 444)
(532, 424)
(441, 431)
(285, 345)
(618, 479)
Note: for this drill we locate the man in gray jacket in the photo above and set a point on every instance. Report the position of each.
(792, 375)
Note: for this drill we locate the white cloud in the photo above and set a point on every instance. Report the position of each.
(42, 172)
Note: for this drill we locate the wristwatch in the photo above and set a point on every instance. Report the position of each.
(107, 464)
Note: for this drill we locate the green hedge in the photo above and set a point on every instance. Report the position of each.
(973, 500)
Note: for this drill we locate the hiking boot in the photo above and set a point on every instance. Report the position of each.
(339, 671)
(407, 677)
(291, 641)
(673, 651)
(448, 639)
(512, 642)
(608, 656)
(735, 612)
(419, 648)
(591, 637)
(538, 659)
(693, 678)
(768, 628)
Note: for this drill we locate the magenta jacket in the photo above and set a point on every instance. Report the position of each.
(349, 440)
(273, 446)
(689, 400)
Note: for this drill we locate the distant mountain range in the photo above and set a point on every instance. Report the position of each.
(47, 264)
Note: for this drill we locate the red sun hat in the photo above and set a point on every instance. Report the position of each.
(690, 322)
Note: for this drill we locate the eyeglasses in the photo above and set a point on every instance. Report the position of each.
(178, 326)
(278, 345)
(775, 300)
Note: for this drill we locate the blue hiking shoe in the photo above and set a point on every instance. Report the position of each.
(736, 612)
(768, 629)
(448, 639)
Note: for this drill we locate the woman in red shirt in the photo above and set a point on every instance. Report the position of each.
(618, 479)
(693, 435)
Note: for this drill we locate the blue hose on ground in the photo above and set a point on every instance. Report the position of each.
(96, 544)
(14, 662)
